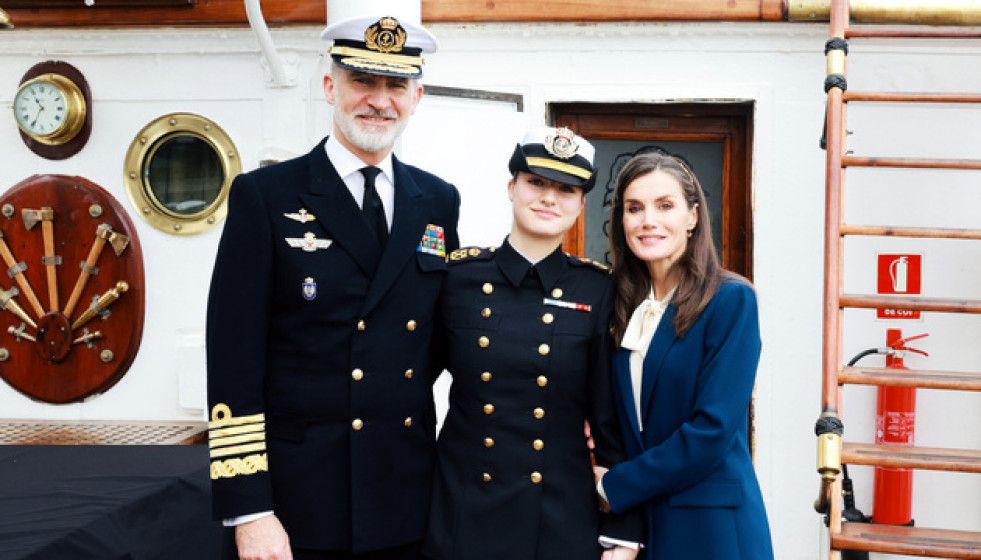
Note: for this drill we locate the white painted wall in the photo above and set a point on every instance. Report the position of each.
(138, 75)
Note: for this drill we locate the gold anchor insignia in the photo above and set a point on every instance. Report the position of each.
(562, 144)
(386, 36)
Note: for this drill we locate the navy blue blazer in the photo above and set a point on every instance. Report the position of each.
(690, 468)
(320, 363)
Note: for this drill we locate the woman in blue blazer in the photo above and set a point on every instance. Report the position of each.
(683, 375)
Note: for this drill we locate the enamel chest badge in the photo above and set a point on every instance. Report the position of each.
(309, 288)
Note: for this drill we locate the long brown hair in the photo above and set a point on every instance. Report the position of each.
(698, 270)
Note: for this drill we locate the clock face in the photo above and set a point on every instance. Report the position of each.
(41, 108)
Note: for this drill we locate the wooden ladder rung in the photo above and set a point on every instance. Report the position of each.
(940, 233)
(911, 97)
(912, 457)
(916, 541)
(910, 163)
(926, 379)
(913, 31)
(943, 305)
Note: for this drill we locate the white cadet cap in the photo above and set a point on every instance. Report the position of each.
(380, 45)
(557, 154)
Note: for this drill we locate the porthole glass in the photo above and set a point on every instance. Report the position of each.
(184, 174)
(178, 172)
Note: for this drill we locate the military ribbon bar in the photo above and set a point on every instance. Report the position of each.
(567, 304)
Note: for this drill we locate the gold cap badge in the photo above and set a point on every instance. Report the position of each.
(386, 35)
(562, 144)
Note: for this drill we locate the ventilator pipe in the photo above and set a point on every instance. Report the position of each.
(258, 24)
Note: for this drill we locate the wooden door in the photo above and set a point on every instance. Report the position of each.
(715, 137)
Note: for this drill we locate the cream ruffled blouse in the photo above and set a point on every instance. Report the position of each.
(637, 338)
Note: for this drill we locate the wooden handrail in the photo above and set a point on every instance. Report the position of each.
(914, 31)
(911, 163)
(926, 379)
(912, 97)
(942, 305)
(917, 541)
(912, 457)
(928, 233)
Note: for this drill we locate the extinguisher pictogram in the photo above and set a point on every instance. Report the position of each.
(899, 273)
(895, 423)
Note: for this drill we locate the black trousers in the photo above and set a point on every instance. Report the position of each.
(410, 551)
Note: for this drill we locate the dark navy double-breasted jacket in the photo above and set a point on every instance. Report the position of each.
(529, 351)
(690, 467)
(319, 354)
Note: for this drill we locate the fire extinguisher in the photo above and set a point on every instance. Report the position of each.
(895, 421)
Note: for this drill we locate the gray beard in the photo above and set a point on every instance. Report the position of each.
(366, 140)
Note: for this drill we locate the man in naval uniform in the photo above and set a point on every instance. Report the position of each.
(320, 319)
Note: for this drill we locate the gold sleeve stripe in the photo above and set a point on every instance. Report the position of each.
(235, 440)
(559, 166)
(221, 416)
(238, 450)
(250, 464)
(250, 428)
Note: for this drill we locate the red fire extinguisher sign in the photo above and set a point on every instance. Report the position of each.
(898, 274)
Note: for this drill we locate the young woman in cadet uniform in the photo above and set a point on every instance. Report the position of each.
(527, 333)
(683, 376)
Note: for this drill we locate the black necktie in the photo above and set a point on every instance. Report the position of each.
(372, 205)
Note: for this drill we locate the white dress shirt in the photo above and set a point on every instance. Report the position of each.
(349, 166)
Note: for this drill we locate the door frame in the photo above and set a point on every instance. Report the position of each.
(730, 123)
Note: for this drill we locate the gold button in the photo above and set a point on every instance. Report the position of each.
(357, 424)
(542, 381)
(557, 293)
(411, 325)
(361, 325)
(485, 377)
(539, 413)
(487, 477)
(408, 422)
(547, 318)
(488, 408)
(543, 349)
(488, 442)
(483, 341)
(357, 374)
(485, 312)
(488, 288)
(536, 477)
(408, 373)
(538, 444)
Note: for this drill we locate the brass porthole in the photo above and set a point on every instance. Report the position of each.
(178, 172)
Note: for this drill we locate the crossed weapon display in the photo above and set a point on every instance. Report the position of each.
(99, 306)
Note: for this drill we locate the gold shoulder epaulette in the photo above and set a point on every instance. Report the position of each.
(587, 262)
(465, 254)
